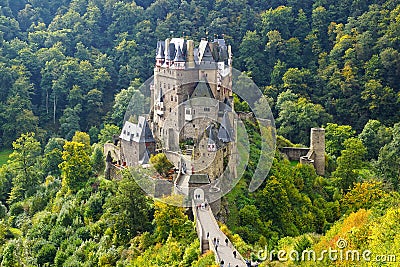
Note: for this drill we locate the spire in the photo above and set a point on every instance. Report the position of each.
(160, 54)
(179, 55)
(160, 51)
(146, 135)
(225, 130)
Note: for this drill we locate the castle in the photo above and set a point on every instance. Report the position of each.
(191, 116)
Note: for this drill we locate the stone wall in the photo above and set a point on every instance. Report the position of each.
(294, 153)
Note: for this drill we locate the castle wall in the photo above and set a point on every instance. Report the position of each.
(130, 152)
(294, 153)
(114, 150)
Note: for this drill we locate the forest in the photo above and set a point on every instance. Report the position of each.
(68, 69)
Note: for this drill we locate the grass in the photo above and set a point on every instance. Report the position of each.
(294, 162)
(4, 156)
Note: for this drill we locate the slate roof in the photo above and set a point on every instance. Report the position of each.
(179, 56)
(170, 52)
(145, 158)
(211, 138)
(160, 50)
(139, 132)
(199, 178)
(202, 89)
(225, 132)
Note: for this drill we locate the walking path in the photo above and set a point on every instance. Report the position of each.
(208, 227)
(223, 252)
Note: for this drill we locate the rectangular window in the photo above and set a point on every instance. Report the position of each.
(207, 109)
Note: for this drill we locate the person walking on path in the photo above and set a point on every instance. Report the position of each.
(226, 241)
(234, 254)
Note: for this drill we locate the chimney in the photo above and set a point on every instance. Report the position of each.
(190, 54)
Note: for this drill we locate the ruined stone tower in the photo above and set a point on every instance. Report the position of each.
(316, 154)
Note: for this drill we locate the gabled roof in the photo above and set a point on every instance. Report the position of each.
(202, 89)
(204, 52)
(139, 132)
(146, 134)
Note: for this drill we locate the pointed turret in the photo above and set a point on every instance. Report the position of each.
(160, 57)
(179, 55)
(225, 132)
(179, 60)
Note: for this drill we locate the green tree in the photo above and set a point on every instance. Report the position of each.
(170, 220)
(9, 257)
(24, 162)
(349, 163)
(83, 138)
(131, 98)
(53, 156)
(374, 136)
(388, 164)
(128, 212)
(296, 115)
(76, 166)
(93, 108)
(98, 160)
(106, 134)
(70, 121)
(335, 136)
(161, 163)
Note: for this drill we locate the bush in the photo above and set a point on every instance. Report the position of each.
(46, 254)
(16, 209)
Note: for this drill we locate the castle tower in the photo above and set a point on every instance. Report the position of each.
(160, 57)
(317, 146)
